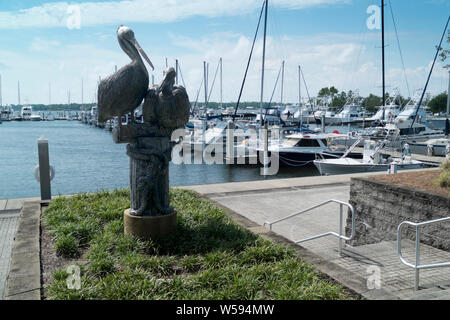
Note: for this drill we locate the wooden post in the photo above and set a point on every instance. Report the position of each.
(149, 162)
(44, 169)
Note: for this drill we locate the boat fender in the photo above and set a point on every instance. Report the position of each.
(37, 174)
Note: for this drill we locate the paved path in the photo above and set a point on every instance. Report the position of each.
(9, 218)
(269, 200)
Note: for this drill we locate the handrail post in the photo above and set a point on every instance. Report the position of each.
(340, 229)
(416, 280)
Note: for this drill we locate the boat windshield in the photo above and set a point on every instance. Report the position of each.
(308, 143)
(291, 141)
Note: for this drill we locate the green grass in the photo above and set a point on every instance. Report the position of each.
(210, 257)
(444, 178)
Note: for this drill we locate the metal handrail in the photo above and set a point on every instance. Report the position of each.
(330, 233)
(417, 266)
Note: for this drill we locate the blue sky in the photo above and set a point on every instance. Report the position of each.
(40, 44)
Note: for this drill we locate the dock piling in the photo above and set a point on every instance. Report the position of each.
(44, 169)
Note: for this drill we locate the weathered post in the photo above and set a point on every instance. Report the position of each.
(44, 169)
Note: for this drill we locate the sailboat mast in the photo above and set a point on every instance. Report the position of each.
(282, 82)
(205, 80)
(221, 98)
(263, 64)
(382, 55)
(300, 94)
(1, 99)
(18, 91)
(176, 71)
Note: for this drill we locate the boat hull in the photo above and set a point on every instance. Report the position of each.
(422, 148)
(333, 168)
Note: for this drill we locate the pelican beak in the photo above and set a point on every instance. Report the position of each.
(142, 52)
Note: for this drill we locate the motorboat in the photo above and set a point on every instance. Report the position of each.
(373, 160)
(7, 114)
(389, 111)
(431, 147)
(35, 117)
(301, 148)
(26, 112)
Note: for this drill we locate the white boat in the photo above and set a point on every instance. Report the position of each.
(7, 114)
(35, 117)
(372, 161)
(26, 112)
(300, 149)
(215, 133)
(388, 112)
(431, 147)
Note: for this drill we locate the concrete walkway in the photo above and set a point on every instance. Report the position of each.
(261, 201)
(9, 218)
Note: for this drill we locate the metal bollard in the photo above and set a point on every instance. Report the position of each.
(44, 169)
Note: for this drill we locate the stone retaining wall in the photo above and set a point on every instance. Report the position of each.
(380, 207)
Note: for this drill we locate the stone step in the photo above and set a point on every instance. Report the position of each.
(435, 292)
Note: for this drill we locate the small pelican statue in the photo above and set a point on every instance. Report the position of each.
(123, 91)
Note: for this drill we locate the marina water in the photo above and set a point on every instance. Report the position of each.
(87, 160)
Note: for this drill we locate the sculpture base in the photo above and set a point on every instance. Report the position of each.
(147, 227)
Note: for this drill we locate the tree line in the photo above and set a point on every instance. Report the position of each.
(332, 97)
(328, 95)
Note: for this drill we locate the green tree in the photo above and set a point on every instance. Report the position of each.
(372, 102)
(339, 100)
(438, 103)
(446, 52)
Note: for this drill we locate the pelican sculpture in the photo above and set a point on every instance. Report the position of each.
(123, 91)
(166, 106)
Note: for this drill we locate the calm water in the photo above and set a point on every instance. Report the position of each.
(86, 160)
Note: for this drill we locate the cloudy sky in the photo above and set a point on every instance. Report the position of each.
(336, 42)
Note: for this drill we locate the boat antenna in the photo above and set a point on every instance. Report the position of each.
(214, 80)
(249, 59)
(429, 74)
(306, 87)
(399, 49)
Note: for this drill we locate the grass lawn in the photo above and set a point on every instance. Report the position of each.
(210, 256)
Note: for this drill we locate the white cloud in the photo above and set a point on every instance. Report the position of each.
(326, 60)
(39, 44)
(55, 14)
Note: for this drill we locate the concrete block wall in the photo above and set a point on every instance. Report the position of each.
(380, 207)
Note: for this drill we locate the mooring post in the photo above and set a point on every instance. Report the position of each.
(322, 123)
(44, 169)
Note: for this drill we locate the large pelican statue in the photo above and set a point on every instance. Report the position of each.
(123, 91)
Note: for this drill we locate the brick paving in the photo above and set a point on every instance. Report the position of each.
(270, 204)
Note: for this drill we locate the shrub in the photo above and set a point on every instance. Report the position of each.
(67, 246)
(444, 177)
